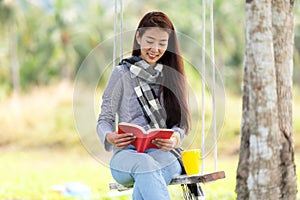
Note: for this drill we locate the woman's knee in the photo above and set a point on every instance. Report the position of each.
(145, 164)
(134, 162)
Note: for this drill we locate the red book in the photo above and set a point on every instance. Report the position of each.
(144, 138)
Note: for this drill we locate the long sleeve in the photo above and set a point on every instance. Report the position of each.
(110, 104)
(180, 133)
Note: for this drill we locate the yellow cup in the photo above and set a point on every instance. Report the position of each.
(192, 161)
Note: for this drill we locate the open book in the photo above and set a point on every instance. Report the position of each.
(144, 138)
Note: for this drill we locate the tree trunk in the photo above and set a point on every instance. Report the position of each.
(283, 39)
(266, 167)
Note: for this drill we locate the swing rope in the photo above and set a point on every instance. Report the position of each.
(213, 83)
(115, 33)
(203, 85)
(214, 114)
(121, 29)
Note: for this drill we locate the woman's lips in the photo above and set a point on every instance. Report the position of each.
(151, 56)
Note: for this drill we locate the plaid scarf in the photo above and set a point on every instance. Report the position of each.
(143, 75)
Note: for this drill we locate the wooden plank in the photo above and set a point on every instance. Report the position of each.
(182, 179)
(205, 178)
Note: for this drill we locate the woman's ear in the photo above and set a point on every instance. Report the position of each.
(138, 38)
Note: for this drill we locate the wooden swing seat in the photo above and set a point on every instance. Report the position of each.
(182, 179)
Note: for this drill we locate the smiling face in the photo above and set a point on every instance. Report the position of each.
(153, 44)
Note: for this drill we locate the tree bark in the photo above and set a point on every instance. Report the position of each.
(266, 153)
(283, 39)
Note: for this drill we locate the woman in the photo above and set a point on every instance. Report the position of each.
(147, 89)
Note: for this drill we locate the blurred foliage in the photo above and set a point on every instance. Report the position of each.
(54, 37)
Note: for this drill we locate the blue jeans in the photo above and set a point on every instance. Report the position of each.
(149, 172)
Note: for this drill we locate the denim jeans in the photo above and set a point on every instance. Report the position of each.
(149, 172)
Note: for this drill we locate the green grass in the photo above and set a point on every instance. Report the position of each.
(40, 148)
(30, 175)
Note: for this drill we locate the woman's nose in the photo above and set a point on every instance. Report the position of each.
(154, 47)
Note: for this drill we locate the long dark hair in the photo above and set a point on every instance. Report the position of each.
(173, 88)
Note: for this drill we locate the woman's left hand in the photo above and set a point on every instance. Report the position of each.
(164, 144)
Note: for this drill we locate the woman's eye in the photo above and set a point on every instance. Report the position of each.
(163, 44)
(149, 42)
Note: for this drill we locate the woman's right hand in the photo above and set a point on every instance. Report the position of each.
(120, 140)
